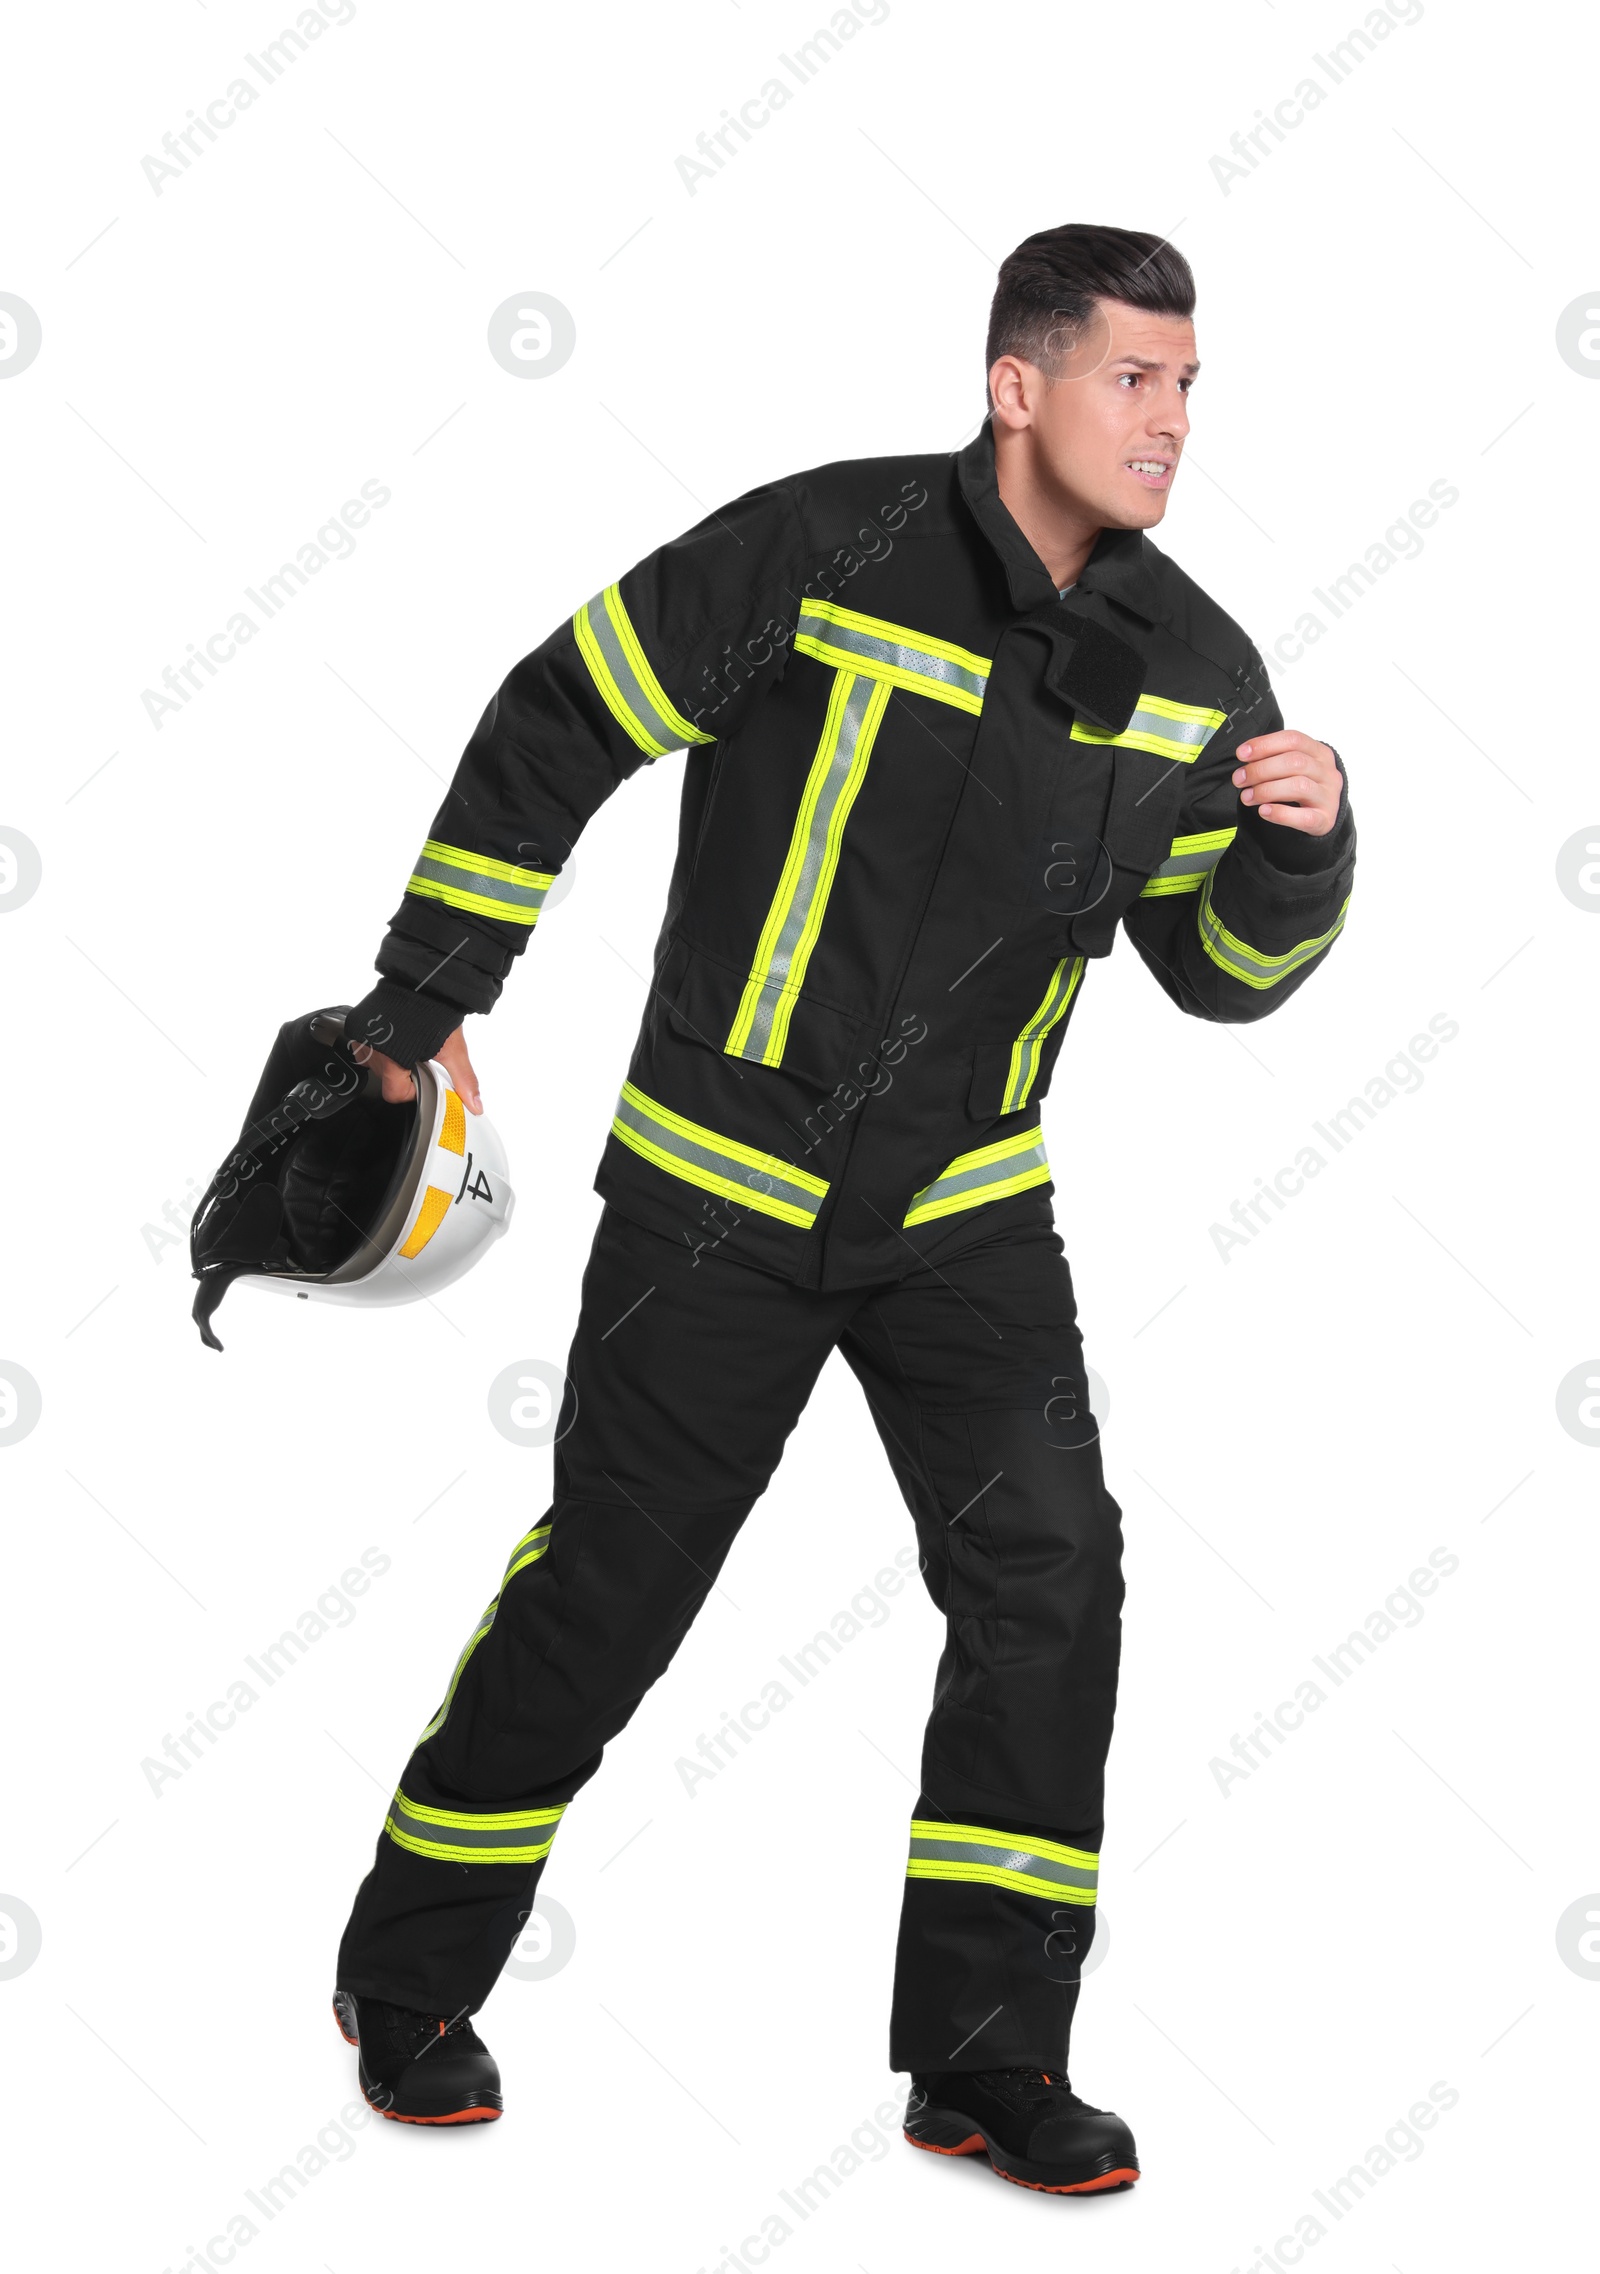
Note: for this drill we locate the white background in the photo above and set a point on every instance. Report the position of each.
(1293, 1961)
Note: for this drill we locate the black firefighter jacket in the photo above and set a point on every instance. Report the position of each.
(922, 792)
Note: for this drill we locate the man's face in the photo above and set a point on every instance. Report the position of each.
(1108, 433)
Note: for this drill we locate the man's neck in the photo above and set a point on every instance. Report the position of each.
(1061, 533)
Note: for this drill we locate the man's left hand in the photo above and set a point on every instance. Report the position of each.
(1290, 780)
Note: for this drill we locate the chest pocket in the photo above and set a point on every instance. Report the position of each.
(1152, 760)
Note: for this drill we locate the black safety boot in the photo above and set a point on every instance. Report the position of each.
(1029, 2123)
(417, 2067)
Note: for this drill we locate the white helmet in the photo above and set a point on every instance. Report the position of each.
(332, 1194)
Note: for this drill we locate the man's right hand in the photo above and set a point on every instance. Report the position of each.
(398, 1084)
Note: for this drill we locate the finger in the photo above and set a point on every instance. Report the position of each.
(457, 1064)
(394, 1080)
(1311, 820)
(1279, 787)
(1272, 745)
(1283, 762)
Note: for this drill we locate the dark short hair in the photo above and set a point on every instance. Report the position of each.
(1047, 288)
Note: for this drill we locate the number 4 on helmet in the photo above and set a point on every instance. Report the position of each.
(331, 1193)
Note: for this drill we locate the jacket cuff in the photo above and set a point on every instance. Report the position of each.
(404, 1025)
(1292, 851)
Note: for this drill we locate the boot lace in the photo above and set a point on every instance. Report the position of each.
(421, 2032)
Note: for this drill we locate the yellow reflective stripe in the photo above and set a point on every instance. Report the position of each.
(504, 872)
(1203, 841)
(933, 1828)
(877, 704)
(761, 1024)
(477, 1838)
(508, 1820)
(536, 1541)
(443, 1851)
(1027, 1865)
(467, 880)
(877, 649)
(727, 1145)
(717, 1164)
(628, 686)
(610, 693)
(1165, 728)
(453, 1134)
(1189, 863)
(660, 700)
(876, 627)
(470, 903)
(527, 1550)
(435, 1208)
(1028, 1048)
(984, 1175)
(1252, 966)
(996, 1875)
(483, 1626)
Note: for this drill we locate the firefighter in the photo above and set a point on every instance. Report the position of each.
(952, 721)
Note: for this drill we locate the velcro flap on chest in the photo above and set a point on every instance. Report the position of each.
(1099, 674)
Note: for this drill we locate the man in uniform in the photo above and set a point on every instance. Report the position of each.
(951, 721)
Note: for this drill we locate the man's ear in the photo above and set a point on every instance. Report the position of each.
(1007, 387)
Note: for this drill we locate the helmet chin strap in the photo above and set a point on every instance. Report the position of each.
(227, 1242)
(218, 1279)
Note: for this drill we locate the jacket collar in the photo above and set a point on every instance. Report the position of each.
(1119, 567)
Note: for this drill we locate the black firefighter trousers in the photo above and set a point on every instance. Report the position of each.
(687, 1374)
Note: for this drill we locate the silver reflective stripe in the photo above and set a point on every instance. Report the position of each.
(1191, 858)
(1193, 733)
(889, 649)
(1026, 1861)
(1166, 728)
(1253, 966)
(631, 689)
(517, 900)
(506, 1836)
(482, 1628)
(717, 1164)
(527, 1551)
(802, 915)
(988, 1174)
(1029, 1045)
